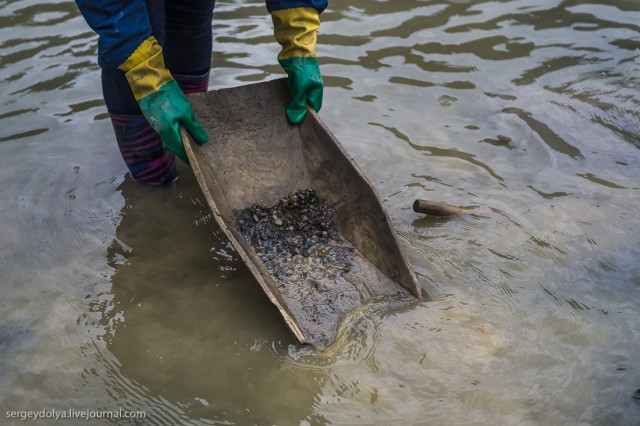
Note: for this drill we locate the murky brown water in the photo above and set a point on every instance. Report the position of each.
(120, 296)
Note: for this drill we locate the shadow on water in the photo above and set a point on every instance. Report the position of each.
(187, 322)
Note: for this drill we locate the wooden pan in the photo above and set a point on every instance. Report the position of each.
(256, 156)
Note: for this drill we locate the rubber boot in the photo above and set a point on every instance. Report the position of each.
(142, 150)
(192, 83)
(141, 147)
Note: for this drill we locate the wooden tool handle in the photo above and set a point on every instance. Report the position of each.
(437, 209)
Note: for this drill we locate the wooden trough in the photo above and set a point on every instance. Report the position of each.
(255, 156)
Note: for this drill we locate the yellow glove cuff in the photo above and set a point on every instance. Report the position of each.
(145, 70)
(295, 30)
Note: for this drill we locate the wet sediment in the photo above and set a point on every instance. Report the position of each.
(315, 268)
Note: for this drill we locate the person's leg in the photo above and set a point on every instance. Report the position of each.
(115, 87)
(141, 147)
(188, 42)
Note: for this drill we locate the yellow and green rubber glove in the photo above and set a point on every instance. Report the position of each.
(295, 30)
(160, 98)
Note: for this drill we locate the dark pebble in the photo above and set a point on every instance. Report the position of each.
(636, 395)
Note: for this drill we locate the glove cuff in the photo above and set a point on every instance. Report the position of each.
(295, 30)
(145, 69)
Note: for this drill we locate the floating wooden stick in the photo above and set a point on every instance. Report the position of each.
(438, 209)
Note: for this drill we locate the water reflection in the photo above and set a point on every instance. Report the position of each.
(190, 329)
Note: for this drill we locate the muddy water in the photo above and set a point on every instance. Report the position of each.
(117, 296)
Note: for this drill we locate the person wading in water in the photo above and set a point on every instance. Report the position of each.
(152, 52)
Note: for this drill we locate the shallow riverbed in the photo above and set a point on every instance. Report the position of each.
(118, 296)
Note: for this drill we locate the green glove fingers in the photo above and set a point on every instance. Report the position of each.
(305, 85)
(166, 109)
(196, 129)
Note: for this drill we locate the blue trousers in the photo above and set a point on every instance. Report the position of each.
(183, 29)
